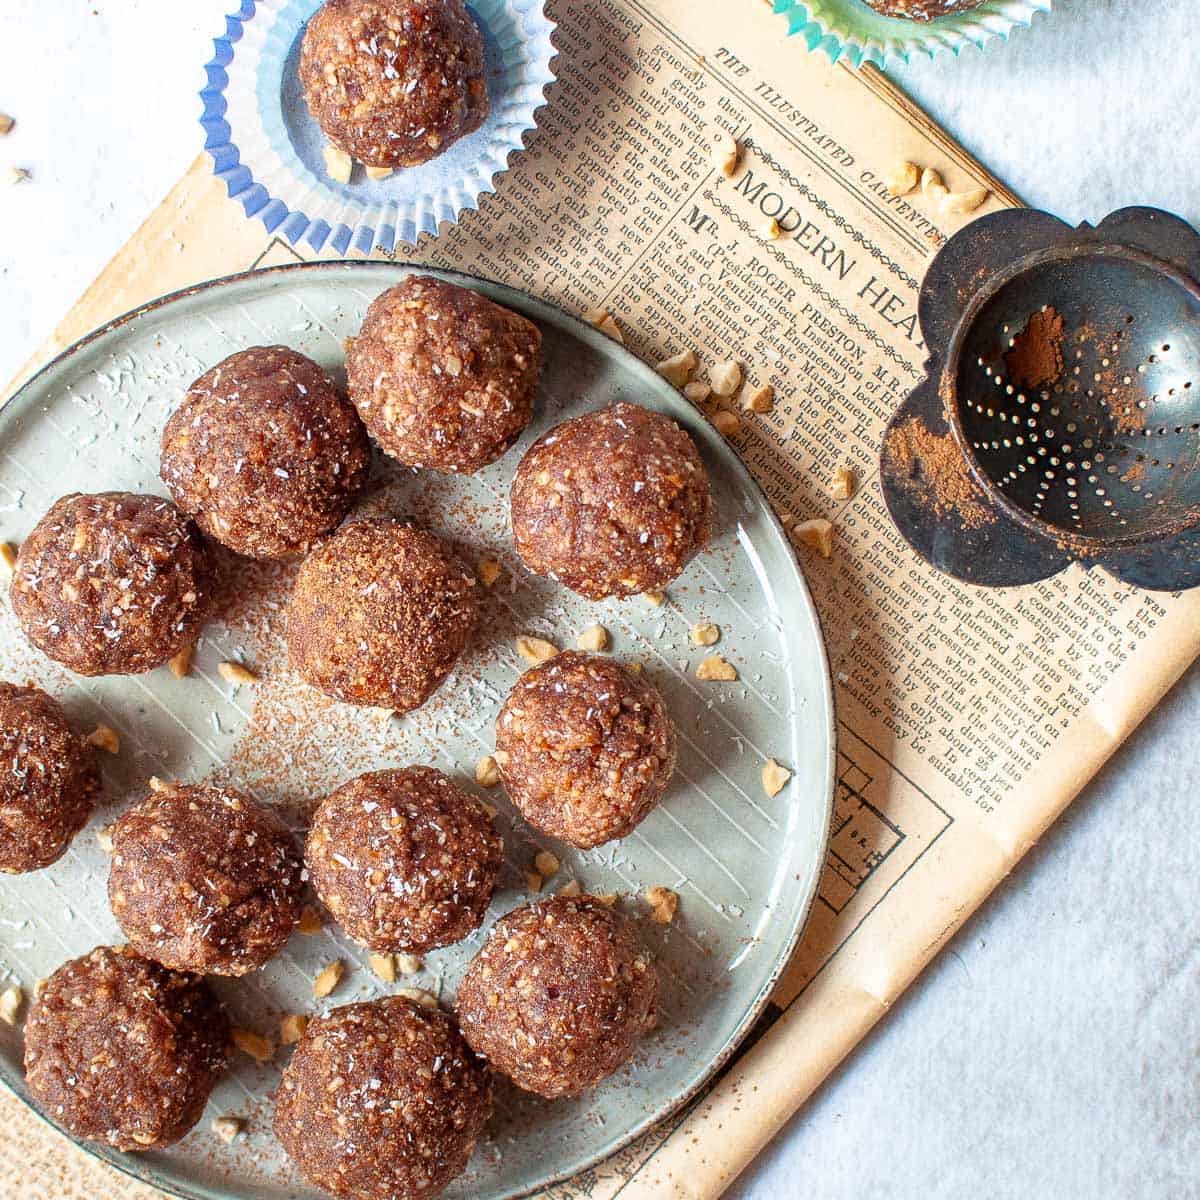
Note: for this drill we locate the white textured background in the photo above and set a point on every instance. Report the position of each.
(1054, 1049)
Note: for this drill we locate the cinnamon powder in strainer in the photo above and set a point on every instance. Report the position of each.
(1036, 357)
(934, 464)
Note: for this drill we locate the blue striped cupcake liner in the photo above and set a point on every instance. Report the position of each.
(267, 149)
(853, 32)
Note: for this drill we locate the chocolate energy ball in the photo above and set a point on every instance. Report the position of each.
(48, 780)
(612, 503)
(382, 1101)
(443, 377)
(559, 995)
(121, 1050)
(394, 83)
(265, 453)
(112, 584)
(922, 10)
(380, 614)
(585, 747)
(404, 859)
(204, 879)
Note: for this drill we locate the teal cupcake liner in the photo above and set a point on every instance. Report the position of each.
(851, 31)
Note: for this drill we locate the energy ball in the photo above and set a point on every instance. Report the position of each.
(922, 10)
(382, 1101)
(48, 780)
(612, 503)
(121, 1050)
(112, 584)
(443, 377)
(265, 453)
(394, 83)
(205, 880)
(559, 995)
(585, 747)
(380, 614)
(404, 860)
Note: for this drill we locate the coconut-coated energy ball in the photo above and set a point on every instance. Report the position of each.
(394, 83)
(379, 615)
(442, 376)
(382, 1100)
(585, 747)
(559, 995)
(922, 10)
(612, 503)
(48, 780)
(119, 1049)
(112, 584)
(205, 879)
(404, 860)
(264, 453)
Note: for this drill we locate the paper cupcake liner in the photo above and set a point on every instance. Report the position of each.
(853, 32)
(267, 148)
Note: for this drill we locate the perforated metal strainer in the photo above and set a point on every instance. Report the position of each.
(1060, 417)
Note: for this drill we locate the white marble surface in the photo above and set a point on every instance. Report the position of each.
(1054, 1049)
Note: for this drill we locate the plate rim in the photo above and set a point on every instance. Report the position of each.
(658, 388)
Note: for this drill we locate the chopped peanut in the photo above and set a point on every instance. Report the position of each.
(419, 996)
(726, 423)
(105, 737)
(8, 556)
(378, 172)
(489, 571)
(724, 153)
(844, 483)
(774, 777)
(635, 666)
(677, 369)
(158, 785)
(490, 809)
(6, 124)
(705, 633)
(310, 921)
(535, 649)
(292, 1027)
(609, 899)
(384, 965)
(16, 175)
(770, 230)
(697, 391)
(104, 837)
(964, 202)
(180, 664)
(227, 1128)
(902, 178)
(254, 1044)
(816, 534)
(663, 903)
(533, 881)
(408, 964)
(715, 667)
(593, 638)
(570, 888)
(657, 599)
(11, 1000)
(605, 322)
(328, 979)
(546, 864)
(487, 772)
(725, 377)
(236, 673)
(932, 184)
(339, 166)
(759, 399)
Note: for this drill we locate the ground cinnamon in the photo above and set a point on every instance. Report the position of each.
(934, 464)
(1036, 357)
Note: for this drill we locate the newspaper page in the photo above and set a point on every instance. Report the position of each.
(968, 718)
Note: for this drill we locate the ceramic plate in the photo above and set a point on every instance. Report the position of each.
(745, 865)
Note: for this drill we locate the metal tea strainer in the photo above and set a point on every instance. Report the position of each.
(1059, 420)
